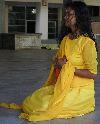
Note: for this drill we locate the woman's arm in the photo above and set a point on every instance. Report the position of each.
(89, 56)
(85, 73)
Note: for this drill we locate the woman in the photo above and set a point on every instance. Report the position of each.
(69, 89)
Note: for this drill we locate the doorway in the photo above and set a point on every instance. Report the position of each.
(30, 26)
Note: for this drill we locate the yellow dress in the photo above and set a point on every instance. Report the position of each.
(70, 95)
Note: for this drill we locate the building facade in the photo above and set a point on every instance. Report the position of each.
(32, 16)
(40, 16)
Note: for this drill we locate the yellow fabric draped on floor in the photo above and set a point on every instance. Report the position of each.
(70, 95)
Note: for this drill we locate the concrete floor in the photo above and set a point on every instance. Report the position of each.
(22, 72)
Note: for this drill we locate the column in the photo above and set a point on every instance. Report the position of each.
(2, 5)
(6, 19)
(42, 20)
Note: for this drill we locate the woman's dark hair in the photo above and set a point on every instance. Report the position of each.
(83, 21)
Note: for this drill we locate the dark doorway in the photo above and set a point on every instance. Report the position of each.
(30, 26)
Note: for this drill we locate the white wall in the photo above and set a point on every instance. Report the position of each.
(49, 1)
(25, 0)
(55, 1)
(42, 21)
(92, 2)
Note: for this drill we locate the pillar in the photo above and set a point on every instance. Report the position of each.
(6, 19)
(42, 20)
(2, 7)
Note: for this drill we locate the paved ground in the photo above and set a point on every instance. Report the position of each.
(22, 72)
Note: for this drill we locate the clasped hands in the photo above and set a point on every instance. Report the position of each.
(60, 61)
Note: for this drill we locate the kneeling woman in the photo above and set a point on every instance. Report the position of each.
(69, 89)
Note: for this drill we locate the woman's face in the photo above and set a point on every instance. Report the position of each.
(70, 18)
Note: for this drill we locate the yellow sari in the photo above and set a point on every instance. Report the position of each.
(68, 96)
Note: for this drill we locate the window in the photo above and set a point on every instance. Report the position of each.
(29, 14)
(52, 29)
(94, 11)
(20, 18)
(16, 21)
(52, 23)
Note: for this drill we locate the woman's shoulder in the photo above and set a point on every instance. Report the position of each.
(87, 40)
(65, 38)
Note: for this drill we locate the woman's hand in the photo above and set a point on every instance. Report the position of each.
(60, 61)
